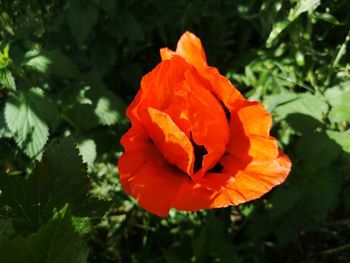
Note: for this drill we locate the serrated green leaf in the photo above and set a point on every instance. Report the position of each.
(37, 61)
(4, 57)
(28, 116)
(104, 110)
(82, 16)
(59, 179)
(4, 130)
(55, 242)
(88, 151)
(7, 80)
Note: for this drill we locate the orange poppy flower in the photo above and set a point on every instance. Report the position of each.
(195, 142)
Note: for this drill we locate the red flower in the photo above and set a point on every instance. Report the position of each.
(195, 142)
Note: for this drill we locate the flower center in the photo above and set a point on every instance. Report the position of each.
(199, 152)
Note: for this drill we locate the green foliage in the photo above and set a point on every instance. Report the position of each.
(68, 69)
(56, 241)
(53, 183)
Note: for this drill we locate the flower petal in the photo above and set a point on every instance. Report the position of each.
(255, 118)
(155, 186)
(132, 160)
(170, 140)
(253, 181)
(190, 48)
(206, 115)
(244, 144)
(166, 53)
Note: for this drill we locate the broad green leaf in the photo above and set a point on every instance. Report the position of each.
(317, 150)
(341, 138)
(272, 101)
(7, 80)
(339, 95)
(82, 16)
(306, 103)
(28, 116)
(55, 242)
(339, 98)
(287, 196)
(323, 191)
(340, 113)
(59, 179)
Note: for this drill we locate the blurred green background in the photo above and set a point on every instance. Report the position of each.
(68, 70)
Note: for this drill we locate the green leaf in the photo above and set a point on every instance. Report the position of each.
(341, 138)
(54, 61)
(59, 179)
(76, 112)
(28, 116)
(340, 113)
(339, 98)
(301, 7)
(61, 65)
(323, 192)
(109, 6)
(317, 150)
(109, 108)
(88, 152)
(306, 103)
(56, 242)
(37, 61)
(4, 57)
(339, 95)
(4, 130)
(326, 17)
(82, 16)
(7, 80)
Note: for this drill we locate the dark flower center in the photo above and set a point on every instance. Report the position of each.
(199, 152)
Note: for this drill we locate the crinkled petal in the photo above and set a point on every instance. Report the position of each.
(250, 183)
(247, 146)
(170, 140)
